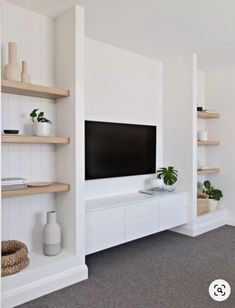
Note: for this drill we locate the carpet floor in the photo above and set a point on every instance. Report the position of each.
(166, 270)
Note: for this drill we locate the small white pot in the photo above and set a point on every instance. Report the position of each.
(213, 204)
(41, 129)
(51, 236)
(169, 187)
(157, 183)
(202, 135)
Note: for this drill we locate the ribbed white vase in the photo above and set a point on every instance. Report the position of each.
(51, 236)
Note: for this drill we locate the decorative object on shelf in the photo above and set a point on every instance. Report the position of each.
(156, 183)
(11, 131)
(41, 125)
(202, 204)
(14, 257)
(12, 69)
(214, 195)
(39, 184)
(199, 108)
(202, 135)
(25, 77)
(51, 236)
(13, 184)
(169, 176)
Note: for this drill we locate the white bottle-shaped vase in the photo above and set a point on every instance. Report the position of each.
(25, 77)
(12, 69)
(51, 236)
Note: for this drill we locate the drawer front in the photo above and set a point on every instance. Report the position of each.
(170, 220)
(105, 218)
(142, 209)
(173, 203)
(104, 238)
(142, 227)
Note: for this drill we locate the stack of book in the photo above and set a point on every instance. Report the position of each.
(13, 183)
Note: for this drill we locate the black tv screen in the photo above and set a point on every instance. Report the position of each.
(115, 150)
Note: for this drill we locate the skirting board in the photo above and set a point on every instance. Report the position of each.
(200, 228)
(231, 222)
(44, 286)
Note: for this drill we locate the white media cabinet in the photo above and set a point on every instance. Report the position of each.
(111, 221)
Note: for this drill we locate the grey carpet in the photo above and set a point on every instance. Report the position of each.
(166, 270)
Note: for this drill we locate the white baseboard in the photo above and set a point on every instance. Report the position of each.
(208, 226)
(230, 222)
(44, 286)
(203, 226)
(185, 230)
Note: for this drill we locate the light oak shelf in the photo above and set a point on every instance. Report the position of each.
(27, 89)
(207, 115)
(34, 139)
(207, 143)
(208, 171)
(53, 188)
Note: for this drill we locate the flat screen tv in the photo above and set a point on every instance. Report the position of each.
(115, 150)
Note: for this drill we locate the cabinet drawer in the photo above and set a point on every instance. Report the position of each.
(173, 219)
(142, 227)
(105, 218)
(173, 203)
(104, 238)
(142, 209)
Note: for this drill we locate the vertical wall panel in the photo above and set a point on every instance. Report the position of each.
(24, 217)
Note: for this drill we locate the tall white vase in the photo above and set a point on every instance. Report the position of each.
(12, 69)
(51, 236)
(25, 77)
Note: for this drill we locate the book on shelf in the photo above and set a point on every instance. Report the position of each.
(14, 187)
(13, 181)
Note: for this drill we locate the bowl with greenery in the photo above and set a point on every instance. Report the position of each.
(41, 125)
(169, 175)
(214, 195)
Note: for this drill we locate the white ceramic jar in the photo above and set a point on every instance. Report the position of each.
(51, 236)
(202, 135)
(41, 129)
(213, 204)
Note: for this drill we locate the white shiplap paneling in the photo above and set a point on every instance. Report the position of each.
(24, 217)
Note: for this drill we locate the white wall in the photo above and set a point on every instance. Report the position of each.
(127, 88)
(178, 120)
(34, 34)
(220, 96)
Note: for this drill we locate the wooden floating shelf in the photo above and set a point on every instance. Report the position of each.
(53, 188)
(208, 171)
(34, 139)
(27, 89)
(207, 115)
(208, 143)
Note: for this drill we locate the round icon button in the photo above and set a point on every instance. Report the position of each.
(219, 290)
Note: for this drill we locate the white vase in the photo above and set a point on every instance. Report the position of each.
(213, 204)
(156, 183)
(12, 69)
(169, 187)
(41, 129)
(25, 77)
(51, 236)
(202, 135)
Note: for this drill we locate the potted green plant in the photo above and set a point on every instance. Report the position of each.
(214, 195)
(41, 125)
(169, 175)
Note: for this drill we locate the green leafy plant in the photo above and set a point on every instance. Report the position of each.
(39, 117)
(168, 174)
(211, 192)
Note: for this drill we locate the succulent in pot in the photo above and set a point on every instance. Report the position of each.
(214, 195)
(41, 125)
(169, 175)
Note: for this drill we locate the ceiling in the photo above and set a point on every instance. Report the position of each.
(154, 27)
